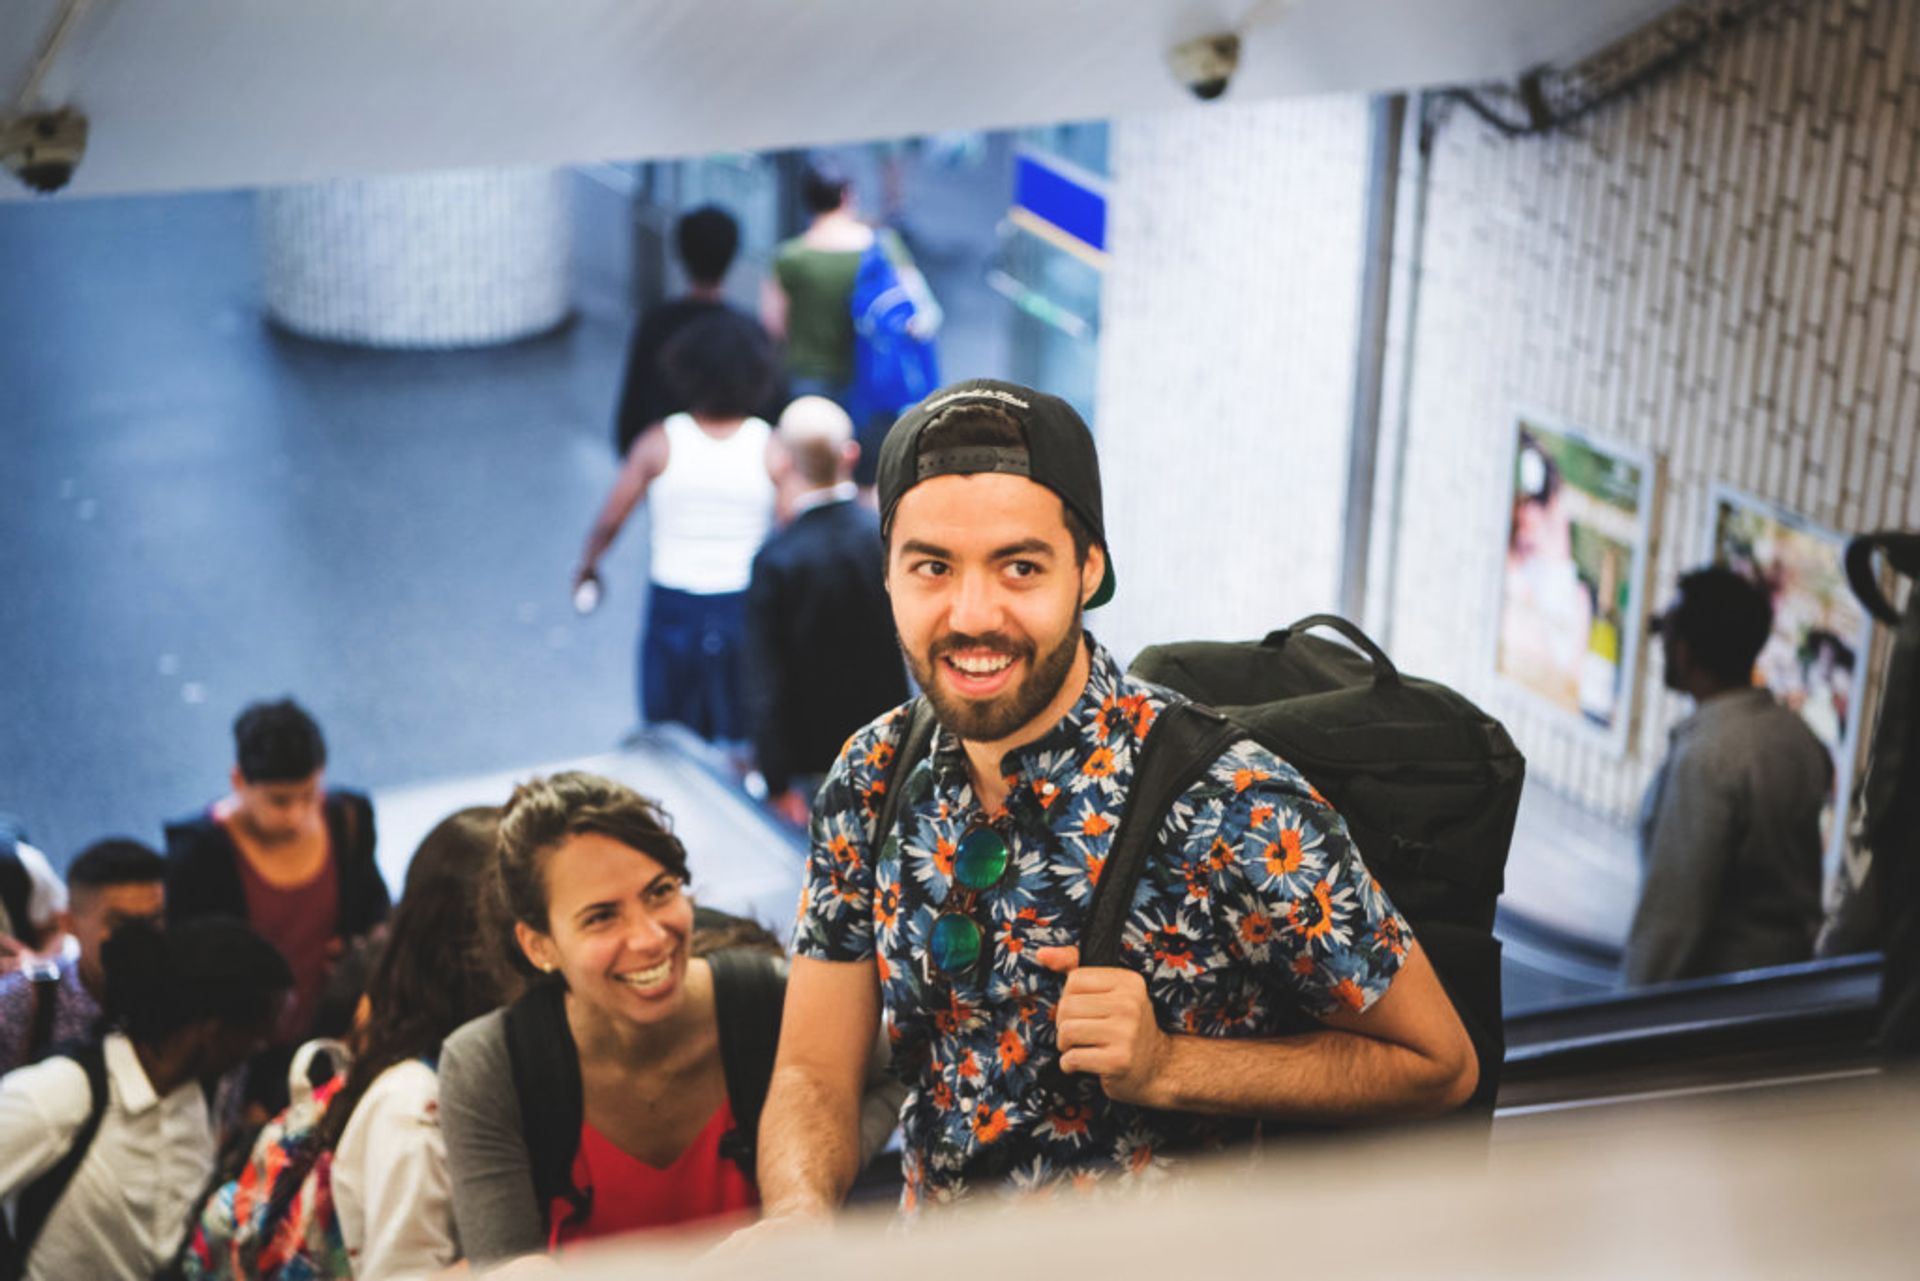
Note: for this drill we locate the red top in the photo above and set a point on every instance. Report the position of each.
(628, 1195)
(300, 920)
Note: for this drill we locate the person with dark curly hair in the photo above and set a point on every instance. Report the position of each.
(708, 477)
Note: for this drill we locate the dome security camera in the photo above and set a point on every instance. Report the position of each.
(1206, 65)
(43, 148)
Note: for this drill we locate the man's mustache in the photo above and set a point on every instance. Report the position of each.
(993, 642)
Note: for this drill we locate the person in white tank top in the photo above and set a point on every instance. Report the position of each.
(710, 475)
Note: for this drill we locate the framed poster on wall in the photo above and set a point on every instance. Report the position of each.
(1571, 584)
(1815, 660)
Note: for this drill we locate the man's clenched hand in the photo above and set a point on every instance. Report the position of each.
(1104, 1024)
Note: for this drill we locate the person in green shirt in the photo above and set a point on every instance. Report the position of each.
(806, 303)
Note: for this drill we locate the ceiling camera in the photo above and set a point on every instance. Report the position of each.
(1206, 65)
(43, 148)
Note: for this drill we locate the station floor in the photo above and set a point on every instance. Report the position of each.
(201, 511)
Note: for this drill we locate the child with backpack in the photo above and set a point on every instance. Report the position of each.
(103, 1146)
(352, 1180)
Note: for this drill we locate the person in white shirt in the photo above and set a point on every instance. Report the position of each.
(708, 478)
(185, 1006)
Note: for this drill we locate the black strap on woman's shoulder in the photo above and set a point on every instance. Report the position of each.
(749, 993)
(37, 1199)
(546, 1079)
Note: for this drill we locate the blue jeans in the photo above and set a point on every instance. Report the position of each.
(690, 662)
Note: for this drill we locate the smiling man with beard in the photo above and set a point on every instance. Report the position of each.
(1263, 972)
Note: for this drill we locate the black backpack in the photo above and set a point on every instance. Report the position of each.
(749, 990)
(37, 1199)
(1428, 784)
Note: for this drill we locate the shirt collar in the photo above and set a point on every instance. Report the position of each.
(1721, 707)
(841, 493)
(129, 1079)
(1044, 765)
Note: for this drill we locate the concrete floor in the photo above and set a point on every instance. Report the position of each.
(201, 511)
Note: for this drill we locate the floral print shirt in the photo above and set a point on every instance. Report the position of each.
(1254, 914)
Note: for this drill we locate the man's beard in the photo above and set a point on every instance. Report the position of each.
(991, 720)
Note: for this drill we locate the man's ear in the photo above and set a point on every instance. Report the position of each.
(538, 948)
(236, 780)
(1092, 572)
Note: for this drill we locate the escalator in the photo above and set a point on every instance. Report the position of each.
(1783, 1026)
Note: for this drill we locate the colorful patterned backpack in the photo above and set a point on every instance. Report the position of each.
(277, 1221)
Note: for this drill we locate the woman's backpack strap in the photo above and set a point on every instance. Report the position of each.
(749, 994)
(546, 1080)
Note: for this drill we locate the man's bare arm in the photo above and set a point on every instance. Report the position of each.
(810, 1126)
(1407, 1055)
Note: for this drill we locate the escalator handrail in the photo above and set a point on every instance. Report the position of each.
(1836, 988)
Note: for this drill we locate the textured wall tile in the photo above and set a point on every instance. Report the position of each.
(437, 260)
(1723, 270)
(1226, 365)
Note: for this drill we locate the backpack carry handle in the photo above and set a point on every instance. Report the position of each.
(1384, 672)
(1902, 552)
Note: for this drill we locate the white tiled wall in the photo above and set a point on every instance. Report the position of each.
(1226, 365)
(439, 260)
(1722, 271)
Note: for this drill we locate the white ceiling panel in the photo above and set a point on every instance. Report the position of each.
(227, 93)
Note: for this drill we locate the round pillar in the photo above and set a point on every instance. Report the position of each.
(464, 259)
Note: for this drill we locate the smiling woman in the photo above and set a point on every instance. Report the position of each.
(624, 1026)
(622, 1092)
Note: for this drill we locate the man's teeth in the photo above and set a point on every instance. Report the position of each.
(980, 666)
(648, 978)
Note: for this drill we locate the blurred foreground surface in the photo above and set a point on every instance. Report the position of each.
(1801, 1182)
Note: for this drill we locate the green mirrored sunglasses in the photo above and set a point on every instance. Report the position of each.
(958, 939)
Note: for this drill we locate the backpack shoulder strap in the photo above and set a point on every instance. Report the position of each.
(1181, 746)
(749, 994)
(915, 738)
(546, 1079)
(46, 1006)
(37, 1199)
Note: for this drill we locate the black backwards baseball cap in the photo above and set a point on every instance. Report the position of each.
(1059, 454)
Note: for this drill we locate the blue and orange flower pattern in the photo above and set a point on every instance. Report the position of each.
(1255, 915)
